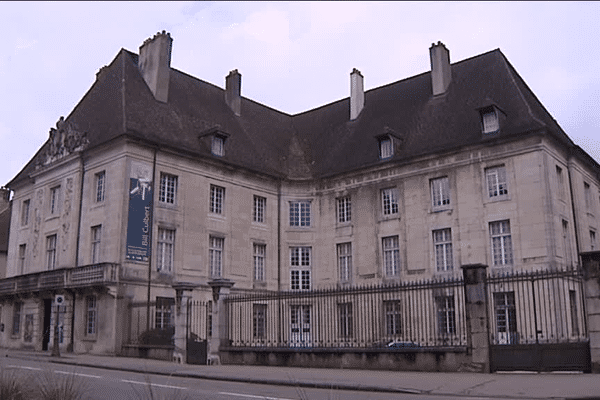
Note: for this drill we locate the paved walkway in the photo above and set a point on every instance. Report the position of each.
(500, 385)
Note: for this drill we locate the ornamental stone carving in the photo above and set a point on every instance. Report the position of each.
(64, 140)
(37, 221)
(66, 224)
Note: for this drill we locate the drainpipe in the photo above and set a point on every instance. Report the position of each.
(279, 256)
(71, 346)
(573, 210)
(150, 240)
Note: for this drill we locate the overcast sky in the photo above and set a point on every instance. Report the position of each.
(292, 56)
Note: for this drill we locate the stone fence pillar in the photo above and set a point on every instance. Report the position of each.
(183, 293)
(221, 288)
(476, 305)
(591, 288)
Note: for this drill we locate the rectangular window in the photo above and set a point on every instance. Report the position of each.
(259, 321)
(300, 325)
(51, 252)
(344, 252)
(446, 315)
(496, 181)
(560, 182)
(489, 121)
(54, 200)
(506, 317)
(25, 212)
(391, 255)
(218, 146)
(588, 196)
(502, 252)
(300, 213)
(217, 195)
(593, 244)
(260, 205)
(442, 241)
(165, 251)
(91, 314)
(574, 314)
(168, 188)
(96, 240)
(389, 201)
(566, 242)
(344, 211)
(259, 262)
(393, 314)
(22, 255)
(100, 184)
(300, 261)
(17, 309)
(440, 192)
(386, 149)
(215, 254)
(345, 319)
(164, 312)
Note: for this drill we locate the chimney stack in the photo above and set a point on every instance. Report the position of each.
(441, 74)
(155, 64)
(233, 88)
(357, 94)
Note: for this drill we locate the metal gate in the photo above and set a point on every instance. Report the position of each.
(537, 322)
(199, 323)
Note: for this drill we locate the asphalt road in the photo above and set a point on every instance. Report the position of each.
(106, 384)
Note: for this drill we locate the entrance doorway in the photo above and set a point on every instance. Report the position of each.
(46, 326)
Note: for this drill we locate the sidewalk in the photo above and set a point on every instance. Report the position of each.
(499, 385)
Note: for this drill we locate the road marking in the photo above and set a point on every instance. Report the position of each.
(154, 384)
(74, 373)
(252, 396)
(30, 368)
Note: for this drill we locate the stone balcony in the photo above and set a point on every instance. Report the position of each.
(87, 275)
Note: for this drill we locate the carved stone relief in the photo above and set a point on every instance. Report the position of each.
(64, 140)
(37, 221)
(66, 224)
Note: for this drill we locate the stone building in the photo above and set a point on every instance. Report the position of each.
(157, 176)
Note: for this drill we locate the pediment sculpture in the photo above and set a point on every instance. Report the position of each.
(65, 139)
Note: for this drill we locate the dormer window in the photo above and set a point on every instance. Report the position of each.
(490, 119)
(218, 145)
(386, 150)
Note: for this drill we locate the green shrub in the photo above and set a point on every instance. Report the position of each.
(158, 336)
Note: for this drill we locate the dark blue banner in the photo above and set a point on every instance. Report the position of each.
(139, 224)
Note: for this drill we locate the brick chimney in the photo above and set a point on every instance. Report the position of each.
(357, 94)
(4, 198)
(155, 64)
(441, 74)
(233, 89)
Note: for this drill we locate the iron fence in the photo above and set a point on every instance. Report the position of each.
(404, 315)
(533, 307)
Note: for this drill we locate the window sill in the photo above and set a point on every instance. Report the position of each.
(97, 205)
(438, 209)
(495, 199)
(388, 217)
(51, 217)
(259, 285)
(90, 338)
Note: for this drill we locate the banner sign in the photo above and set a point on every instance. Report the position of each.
(139, 223)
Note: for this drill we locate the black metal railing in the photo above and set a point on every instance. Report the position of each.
(404, 315)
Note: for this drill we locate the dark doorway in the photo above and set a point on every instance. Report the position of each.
(46, 331)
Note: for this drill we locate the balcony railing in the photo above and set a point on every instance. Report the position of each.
(87, 275)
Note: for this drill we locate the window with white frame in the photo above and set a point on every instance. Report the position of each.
(54, 200)
(215, 256)
(25, 212)
(300, 213)
(344, 252)
(217, 195)
(393, 315)
(345, 320)
(389, 201)
(587, 190)
(440, 192)
(259, 321)
(218, 146)
(391, 256)
(259, 261)
(506, 317)
(560, 182)
(260, 206)
(51, 252)
(344, 209)
(489, 120)
(96, 241)
(442, 241)
(16, 322)
(163, 317)
(502, 252)
(446, 315)
(566, 242)
(165, 251)
(300, 262)
(574, 313)
(496, 181)
(91, 315)
(168, 188)
(100, 179)
(593, 244)
(22, 257)
(386, 149)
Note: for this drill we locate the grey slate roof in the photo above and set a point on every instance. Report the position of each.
(320, 142)
(4, 229)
